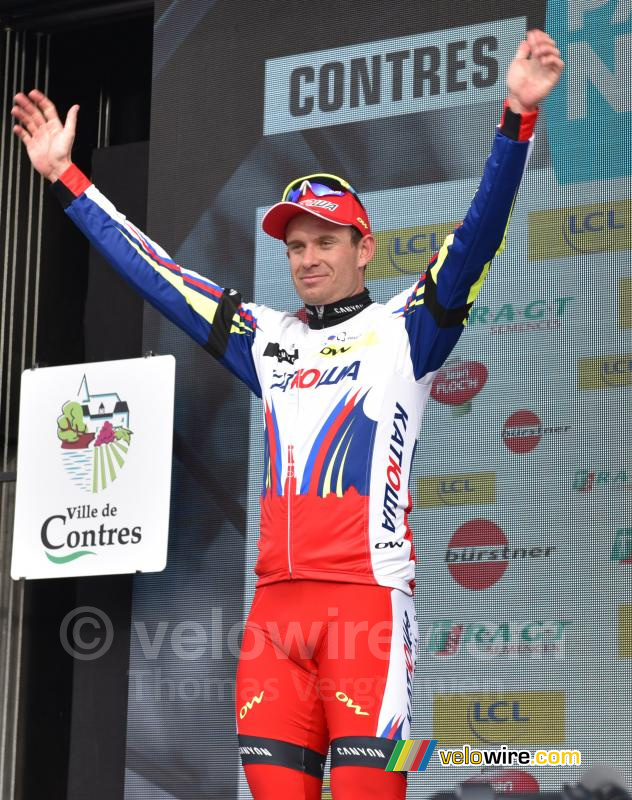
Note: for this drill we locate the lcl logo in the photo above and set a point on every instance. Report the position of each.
(456, 486)
(579, 230)
(498, 712)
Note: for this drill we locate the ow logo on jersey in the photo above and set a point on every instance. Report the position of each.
(248, 705)
(313, 378)
(337, 349)
(350, 704)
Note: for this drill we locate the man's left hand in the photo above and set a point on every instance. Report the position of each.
(534, 72)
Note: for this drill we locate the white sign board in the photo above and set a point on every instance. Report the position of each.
(94, 469)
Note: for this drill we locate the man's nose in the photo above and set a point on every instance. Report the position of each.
(310, 255)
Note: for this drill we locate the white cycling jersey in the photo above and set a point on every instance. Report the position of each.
(343, 387)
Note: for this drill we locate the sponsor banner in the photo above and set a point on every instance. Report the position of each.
(479, 554)
(439, 69)
(457, 383)
(314, 378)
(406, 251)
(476, 488)
(511, 718)
(340, 344)
(590, 479)
(523, 431)
(586, 229)
(93, 487)
(625, 630)
(589, 114)
(484, 639)
(507, 781)
(625, 302)
(604, 372)
(622, 546)
(534, 316)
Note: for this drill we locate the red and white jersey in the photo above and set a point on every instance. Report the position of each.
(341, 408)
(343, 391)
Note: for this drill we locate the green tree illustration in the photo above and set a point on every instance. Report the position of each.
(70, 424)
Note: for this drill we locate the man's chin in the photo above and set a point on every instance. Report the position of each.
(313, 298)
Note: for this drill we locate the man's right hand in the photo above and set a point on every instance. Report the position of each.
(48, 142)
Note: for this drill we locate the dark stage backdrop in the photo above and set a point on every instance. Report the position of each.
(523, 476)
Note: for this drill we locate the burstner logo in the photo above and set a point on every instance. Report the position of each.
(479, 553)
(523, 431)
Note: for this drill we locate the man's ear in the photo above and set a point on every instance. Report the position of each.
(367, 248)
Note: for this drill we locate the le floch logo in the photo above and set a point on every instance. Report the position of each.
(457, 384)
(95, 438)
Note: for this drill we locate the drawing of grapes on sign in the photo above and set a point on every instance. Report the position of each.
(95, 438)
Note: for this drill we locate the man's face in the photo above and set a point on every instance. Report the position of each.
(325, 263)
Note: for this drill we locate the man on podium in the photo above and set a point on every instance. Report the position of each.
(343, 389)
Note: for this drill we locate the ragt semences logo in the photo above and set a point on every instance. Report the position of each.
(486, 639)
(95, 437)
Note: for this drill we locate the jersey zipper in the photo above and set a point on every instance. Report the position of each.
(290, 488)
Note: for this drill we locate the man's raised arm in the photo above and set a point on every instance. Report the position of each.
(213, 316)
(437, 308)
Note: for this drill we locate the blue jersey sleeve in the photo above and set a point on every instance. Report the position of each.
(436, 309)
(213, 316)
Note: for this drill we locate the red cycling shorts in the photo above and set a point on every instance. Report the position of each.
(325, 663)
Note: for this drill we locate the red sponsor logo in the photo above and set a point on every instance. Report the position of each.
(523, 431)
(508, 781)
(474, 554)
(479, 553)
(459, 383)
